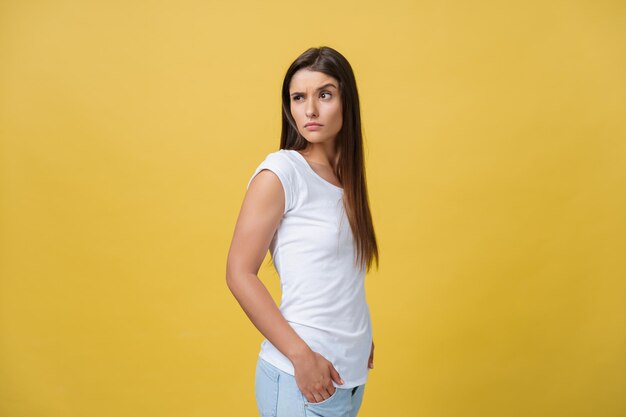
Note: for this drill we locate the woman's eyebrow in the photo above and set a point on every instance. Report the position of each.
(320, 88)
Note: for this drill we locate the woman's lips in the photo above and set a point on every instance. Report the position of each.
(313, 127)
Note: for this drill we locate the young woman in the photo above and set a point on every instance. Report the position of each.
(308, 203)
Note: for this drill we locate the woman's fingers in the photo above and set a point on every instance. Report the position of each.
(330, 392)
(322, 395)
(315, 378)
(335, 375)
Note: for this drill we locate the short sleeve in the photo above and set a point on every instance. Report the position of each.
(284, 170)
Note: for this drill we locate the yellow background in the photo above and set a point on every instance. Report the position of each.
(496, 161)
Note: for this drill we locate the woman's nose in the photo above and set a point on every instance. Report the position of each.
(311, 109)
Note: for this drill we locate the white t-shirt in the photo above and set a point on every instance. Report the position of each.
(323, 292)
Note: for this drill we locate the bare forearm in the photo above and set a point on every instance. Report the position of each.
(257, 303)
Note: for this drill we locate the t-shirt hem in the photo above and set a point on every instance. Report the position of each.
(289, 370)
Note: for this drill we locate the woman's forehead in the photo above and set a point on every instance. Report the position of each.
(306, 79)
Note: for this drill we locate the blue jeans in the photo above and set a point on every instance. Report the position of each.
(278, 395)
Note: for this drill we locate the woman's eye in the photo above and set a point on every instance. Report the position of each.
(326, 93)
(295, 98)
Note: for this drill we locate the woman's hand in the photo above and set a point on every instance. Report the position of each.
(370, 363)
(314, 375)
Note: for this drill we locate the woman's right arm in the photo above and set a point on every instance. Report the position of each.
(259, 217)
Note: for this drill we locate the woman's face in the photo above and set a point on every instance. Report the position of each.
(316, 105)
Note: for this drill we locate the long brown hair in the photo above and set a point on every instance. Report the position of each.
(350, 169)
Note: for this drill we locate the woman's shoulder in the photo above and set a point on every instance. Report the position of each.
(282, 159)
(280, 162)
(281, 155)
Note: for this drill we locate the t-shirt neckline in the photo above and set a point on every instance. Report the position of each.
(312, 171)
